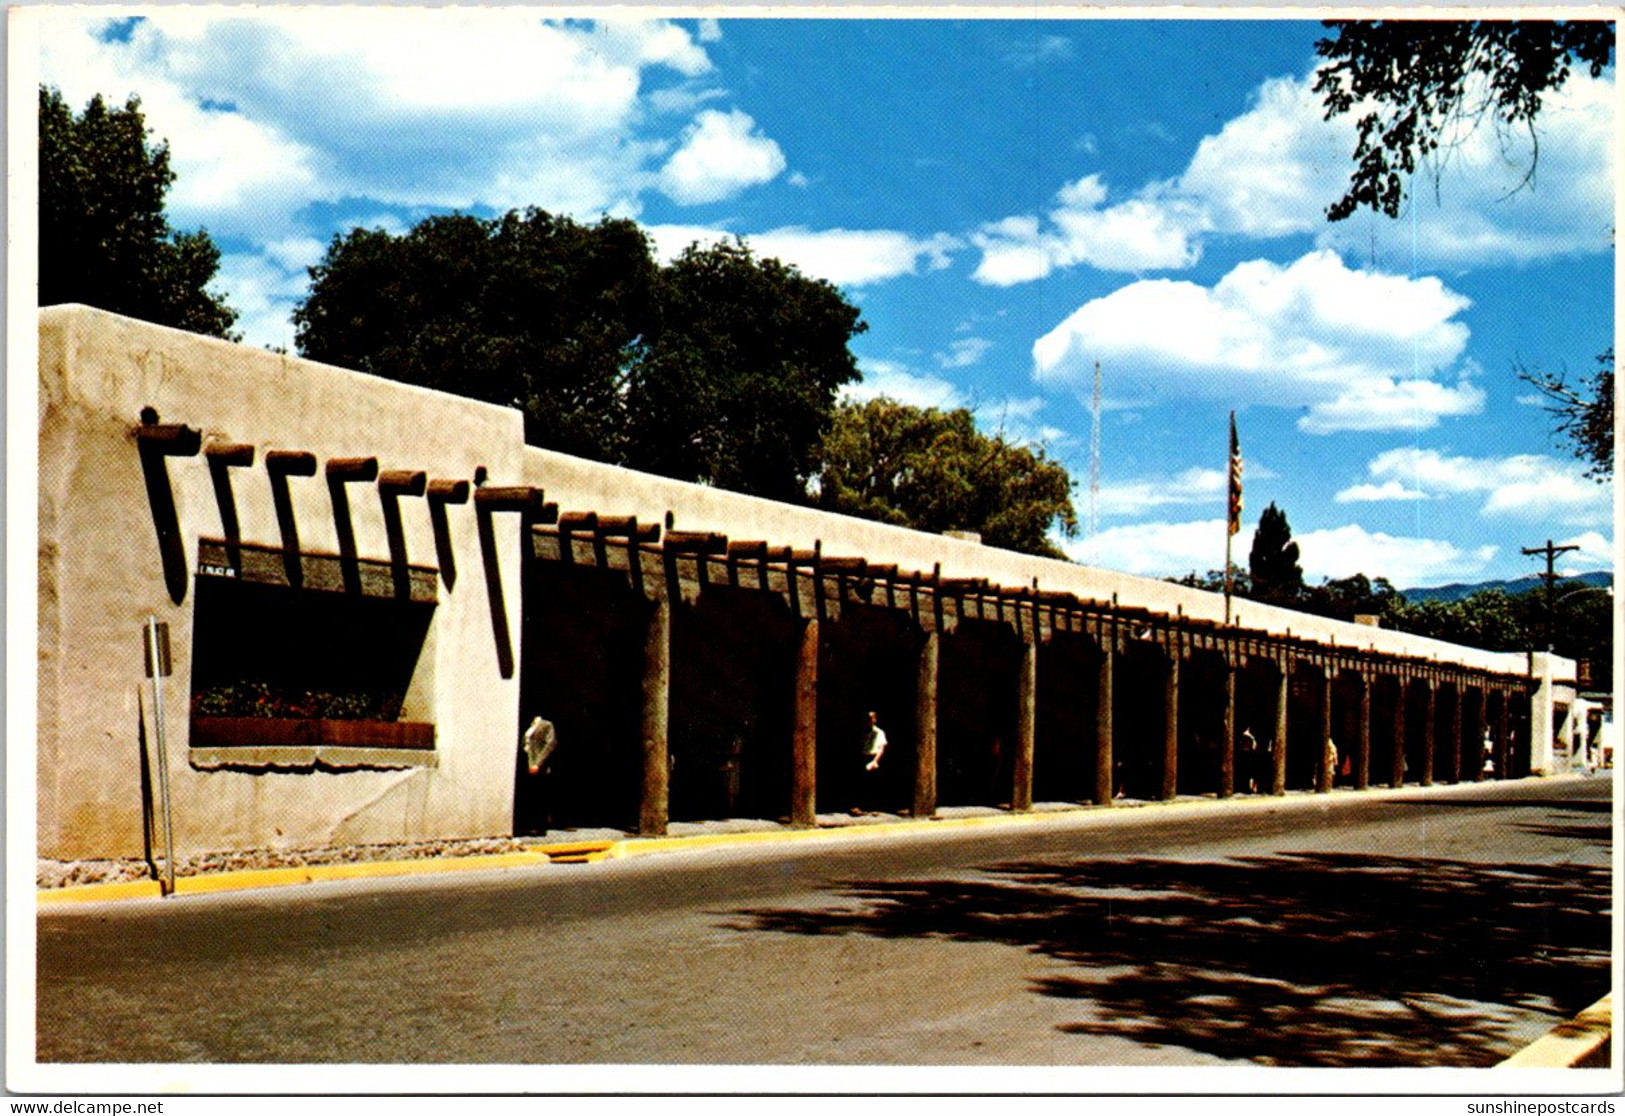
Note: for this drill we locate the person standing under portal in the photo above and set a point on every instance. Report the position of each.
(874, 746)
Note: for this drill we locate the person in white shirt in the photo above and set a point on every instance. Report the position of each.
(874, 746)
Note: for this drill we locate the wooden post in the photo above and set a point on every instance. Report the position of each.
(1456, 719)
(1503, 739)
(1104, 788)
(1396, 774)
(925, 722)
(1283, 698)
(1326, 767)
(1170, 725)
(1362, 734)
(804, 734)
(654, 801)
(1021, 793)
(1430, 729)
(1227, 734)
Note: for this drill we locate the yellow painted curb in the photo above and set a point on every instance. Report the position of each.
(591, 852)
(1569, 1043)
(280, 877)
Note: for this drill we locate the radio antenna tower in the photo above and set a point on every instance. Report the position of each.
(1094, 460)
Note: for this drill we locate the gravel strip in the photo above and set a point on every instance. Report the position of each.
(73, 873)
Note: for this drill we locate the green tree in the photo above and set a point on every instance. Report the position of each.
(1584, 412)
(1492, 619)
(1272, 563)
(103, 237)
(1416, 82)
(934, 471)
(737, 385)
(527, 310)
(1347, 597)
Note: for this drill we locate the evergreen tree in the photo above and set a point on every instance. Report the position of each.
(1272, 564)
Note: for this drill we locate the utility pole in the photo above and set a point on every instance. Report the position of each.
(1551, 551)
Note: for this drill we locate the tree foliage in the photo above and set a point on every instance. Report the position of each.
(736, 387)
(934, 471)
(720, 368)
(1415, 83)
(526, 310)
(1272, 564)
(1345, 598)
(1584, 412)
(104, 239)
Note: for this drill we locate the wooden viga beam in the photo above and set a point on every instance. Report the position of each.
(747, 550)
(229, 453)
(696, 542)
(348, 470)
(290, 463)
(627, 527)
(854, 566)
(169, 439)
(403, 482)
(522, 498)
(448, 491)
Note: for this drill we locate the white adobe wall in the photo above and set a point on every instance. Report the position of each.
(100, 576)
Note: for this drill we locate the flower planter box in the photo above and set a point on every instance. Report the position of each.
(310, 732)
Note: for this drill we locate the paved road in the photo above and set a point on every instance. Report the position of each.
(1437, 927)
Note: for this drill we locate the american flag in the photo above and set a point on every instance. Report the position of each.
(1235, 477)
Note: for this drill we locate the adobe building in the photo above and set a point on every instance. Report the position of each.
(369, 588)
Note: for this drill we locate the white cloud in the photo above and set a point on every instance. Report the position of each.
(964, 352)
(1158, 549)
(845, 257)
(1358, 349)
(1133, 235)
(854, 257)
(1521, 485)
(1346, 551)
(895, 381)
(1384, 404)
(263, 292)
(722, 153)
(1596, 552)
(1274, 170)
(1136, 497)
(1374, 493)
(1164, 549)
(270, 109)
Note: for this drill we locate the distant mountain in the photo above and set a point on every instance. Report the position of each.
(1603, 578)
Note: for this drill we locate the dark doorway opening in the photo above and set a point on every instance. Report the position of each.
(1138, 720)
(582, 669)
(1256, 690)
(868, 661)
(733, 687)
(976, 715)
(1306, 742)
(1068, 693)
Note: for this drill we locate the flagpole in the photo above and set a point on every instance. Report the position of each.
(1232, 511)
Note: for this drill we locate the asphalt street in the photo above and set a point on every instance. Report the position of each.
(1442, 926)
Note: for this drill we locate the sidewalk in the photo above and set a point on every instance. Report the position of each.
(599, 845)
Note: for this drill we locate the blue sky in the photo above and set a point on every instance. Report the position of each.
(1009, 202)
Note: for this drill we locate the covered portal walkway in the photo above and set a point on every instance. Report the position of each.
(694, 676)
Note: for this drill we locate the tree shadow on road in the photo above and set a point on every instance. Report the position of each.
(1309, 959)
